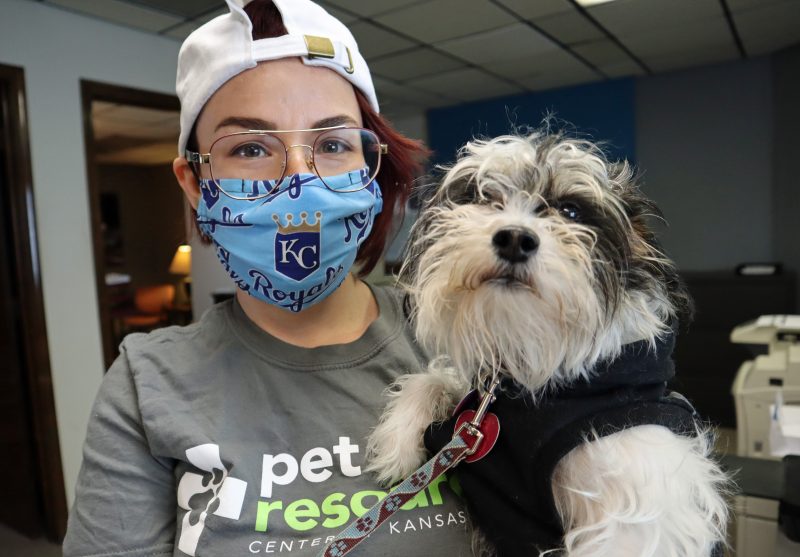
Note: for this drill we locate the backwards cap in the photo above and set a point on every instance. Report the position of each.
(224, 47)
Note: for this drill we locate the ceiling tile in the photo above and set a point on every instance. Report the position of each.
(554, 61)
(539, 8)
(181, 31)
(398, 110)
(344, 16)
(602, 52)
(627, 17)
(373, 42)
(769, 27)
(736, 5)
(691, 58)
(369, 8)
(570, 27)
(696, 36)
(187, 9)
(551, 80)
(426, 99)
(514, 42)
(414, 63)
(416, 97)
(210, 15)
(623, 68)
(391, 90)
(123, 13)
(439, 20)
(388, 87)
(466, 85)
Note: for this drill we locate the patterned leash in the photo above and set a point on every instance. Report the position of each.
(465, 442)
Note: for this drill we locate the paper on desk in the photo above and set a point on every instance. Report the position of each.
(784, 430)
(779, 321)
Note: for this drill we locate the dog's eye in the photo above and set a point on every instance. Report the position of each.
(490, 197)
(569, 211)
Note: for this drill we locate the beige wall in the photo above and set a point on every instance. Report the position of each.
(57, 49)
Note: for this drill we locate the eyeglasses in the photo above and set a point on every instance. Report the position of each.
(260, 155)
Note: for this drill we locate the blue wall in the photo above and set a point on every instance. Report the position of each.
(602, 111)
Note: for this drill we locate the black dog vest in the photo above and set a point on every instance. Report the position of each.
(509, 491)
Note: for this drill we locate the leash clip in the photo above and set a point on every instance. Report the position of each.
(473, 437)
(487, 398)
(470, 430)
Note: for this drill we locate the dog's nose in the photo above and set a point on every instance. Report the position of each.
(515, 244)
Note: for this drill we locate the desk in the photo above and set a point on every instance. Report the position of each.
(755, 477)
(760, 486)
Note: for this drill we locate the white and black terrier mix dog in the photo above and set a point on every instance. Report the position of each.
(534, 259)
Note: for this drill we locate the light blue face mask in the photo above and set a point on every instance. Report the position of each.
(295, 246)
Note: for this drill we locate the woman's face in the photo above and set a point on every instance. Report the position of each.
(280, 95)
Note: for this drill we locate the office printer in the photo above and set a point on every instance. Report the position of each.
(773, 376)
(770, 376)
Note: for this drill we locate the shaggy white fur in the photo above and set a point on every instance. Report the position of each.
(594, 281)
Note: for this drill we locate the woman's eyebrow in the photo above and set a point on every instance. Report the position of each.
(339, 120)
(247, 123)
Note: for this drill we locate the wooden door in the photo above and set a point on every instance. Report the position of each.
(32, 498)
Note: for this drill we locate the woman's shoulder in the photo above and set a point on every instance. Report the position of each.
(180, 344)
(215, 318)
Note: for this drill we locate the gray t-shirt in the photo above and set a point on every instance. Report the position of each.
(218, 439)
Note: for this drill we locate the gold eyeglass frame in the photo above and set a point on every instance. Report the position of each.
(205, 158)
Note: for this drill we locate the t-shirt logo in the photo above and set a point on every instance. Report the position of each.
(213, 492)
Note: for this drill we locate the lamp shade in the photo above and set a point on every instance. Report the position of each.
(182, 261)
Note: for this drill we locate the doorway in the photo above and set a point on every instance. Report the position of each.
(138, 213)
(34, 502)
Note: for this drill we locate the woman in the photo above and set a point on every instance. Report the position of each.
(244, 433)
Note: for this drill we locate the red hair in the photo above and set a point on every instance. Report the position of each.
(403, 162)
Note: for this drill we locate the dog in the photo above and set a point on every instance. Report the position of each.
(534, 258)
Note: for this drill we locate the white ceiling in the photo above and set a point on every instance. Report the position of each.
(430, 53)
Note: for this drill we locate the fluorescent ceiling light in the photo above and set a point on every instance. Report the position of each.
(587, 3)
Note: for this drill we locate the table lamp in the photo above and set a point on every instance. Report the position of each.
(182, 265)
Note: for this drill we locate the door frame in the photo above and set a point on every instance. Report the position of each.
(97, 91)
(35, 351)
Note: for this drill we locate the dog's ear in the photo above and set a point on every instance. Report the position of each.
(650, 267)
(426, 194)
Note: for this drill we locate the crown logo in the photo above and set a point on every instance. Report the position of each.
(303, 226)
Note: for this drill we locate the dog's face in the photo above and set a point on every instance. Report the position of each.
(533, 255)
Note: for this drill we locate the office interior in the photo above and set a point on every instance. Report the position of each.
(701, 95)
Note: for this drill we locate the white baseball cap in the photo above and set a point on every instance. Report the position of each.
(224, 48)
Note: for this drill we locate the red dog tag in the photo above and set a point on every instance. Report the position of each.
(490, 427)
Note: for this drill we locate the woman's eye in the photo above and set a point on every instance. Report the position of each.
(569, 211)
(333, 147)
(250, 150)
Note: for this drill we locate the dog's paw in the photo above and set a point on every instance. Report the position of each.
(395, 448)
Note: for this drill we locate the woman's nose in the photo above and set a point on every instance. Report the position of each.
(298, 160)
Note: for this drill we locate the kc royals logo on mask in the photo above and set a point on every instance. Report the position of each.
(297, 246)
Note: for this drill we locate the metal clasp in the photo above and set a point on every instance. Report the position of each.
(487, 398)
(473, 427)
(473, 431)
(319, 47)
(322, 47)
